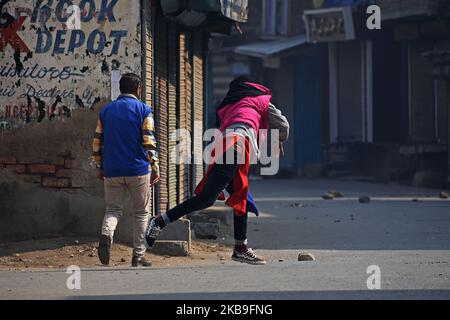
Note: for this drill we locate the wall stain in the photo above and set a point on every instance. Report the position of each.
(97, 100)
(53, 107)
(105, 67)
(67, 112)
(28, 110)
(79, 102)
(19, 64)
(116, 64)
(5, 16)
(41, 106)
(28, 56)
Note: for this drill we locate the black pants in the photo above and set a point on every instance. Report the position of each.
(219, 179)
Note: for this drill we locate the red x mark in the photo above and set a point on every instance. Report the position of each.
(9, 36)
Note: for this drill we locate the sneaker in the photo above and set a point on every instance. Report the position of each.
(104, 249)
(248, 257)
(152, 233)
(140, 262)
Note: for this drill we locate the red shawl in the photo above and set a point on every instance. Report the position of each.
(238, 200)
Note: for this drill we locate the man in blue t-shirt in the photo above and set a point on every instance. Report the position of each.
(124, 151)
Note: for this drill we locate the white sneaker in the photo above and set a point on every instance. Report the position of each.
(152, 233)
(248, 257)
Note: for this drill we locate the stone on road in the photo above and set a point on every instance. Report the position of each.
(305, 256)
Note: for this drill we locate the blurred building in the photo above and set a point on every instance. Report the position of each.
(388, 105)
(364, 104)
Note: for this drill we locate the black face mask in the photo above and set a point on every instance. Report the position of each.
(239, 89)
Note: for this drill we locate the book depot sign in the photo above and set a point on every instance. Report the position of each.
(48, 68)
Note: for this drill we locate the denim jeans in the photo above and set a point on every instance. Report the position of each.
(219, 179)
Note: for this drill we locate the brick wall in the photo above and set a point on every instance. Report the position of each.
(54, 174)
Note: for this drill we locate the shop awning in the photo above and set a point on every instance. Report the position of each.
(194, 13)
(270, 48)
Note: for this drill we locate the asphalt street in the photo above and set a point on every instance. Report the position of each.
(403, 231)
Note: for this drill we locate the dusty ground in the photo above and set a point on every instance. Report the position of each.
(83, 253)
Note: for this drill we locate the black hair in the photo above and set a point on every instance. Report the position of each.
(129, 83)
(239, 89)
(242, 79)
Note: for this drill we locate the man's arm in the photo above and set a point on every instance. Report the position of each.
(97, 146)
(278, 121)
(149, 142)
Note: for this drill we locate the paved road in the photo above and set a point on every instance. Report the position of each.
(408, 240)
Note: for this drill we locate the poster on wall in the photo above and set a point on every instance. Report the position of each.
(61, 55)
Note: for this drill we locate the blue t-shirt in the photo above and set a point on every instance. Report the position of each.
(123, 153)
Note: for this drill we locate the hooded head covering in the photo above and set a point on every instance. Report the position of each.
(240, 88)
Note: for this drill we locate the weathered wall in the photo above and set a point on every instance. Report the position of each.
(47, 70)
(53, 82)
(55, 191)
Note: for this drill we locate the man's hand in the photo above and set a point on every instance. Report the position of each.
(154, 179)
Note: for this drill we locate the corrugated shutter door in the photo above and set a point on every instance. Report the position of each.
(183, 169)
(150, 16)
(198, 108)
(161, 108)
(172, 113)
(189, 106)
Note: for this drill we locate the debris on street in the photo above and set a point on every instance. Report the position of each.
(365, 200)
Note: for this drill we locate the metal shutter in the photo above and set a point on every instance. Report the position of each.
(198, 95)
(150, 10)
(150, 17)
(189, 105)
(183, 170)
(161, 108)
(172, 112)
